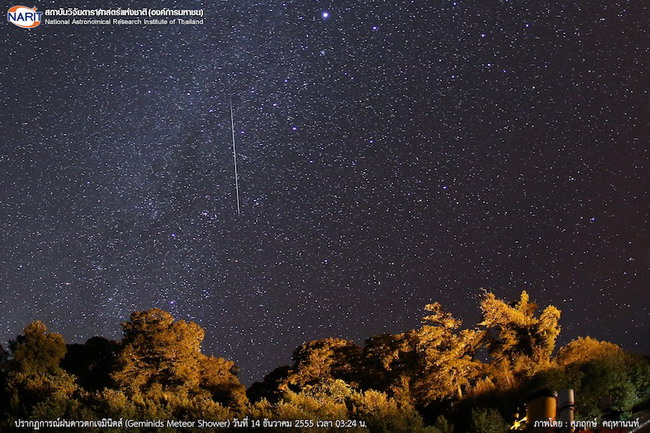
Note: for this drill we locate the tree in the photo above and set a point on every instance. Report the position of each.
(36, 350)
(272, 387)
(321, 360)
(390, 363)
(384, 414)
(487, 420)
(4, 357)
(4, 364)
(447, 362)
(518, 341)
(218, 376)
(586, 349)
(91, 362)
(34, 376)
(430, 364)
(596, 369)
(325, 400)
(161, 361)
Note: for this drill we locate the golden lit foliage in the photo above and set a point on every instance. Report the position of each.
(336, 400)
(158, 350)
(323, 401)
(432, 363)
(518, 340)
(161, 359)
(322, 360)
(34, 377)
(384, 414)
(595, 369)
(445, 356)
(585, 349)
(158, 372)
(37, 350)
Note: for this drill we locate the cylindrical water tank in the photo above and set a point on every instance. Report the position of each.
(566, 409)
(541, 407)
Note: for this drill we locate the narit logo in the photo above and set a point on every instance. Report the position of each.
(24, 17)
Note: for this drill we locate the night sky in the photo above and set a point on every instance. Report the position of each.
(391, 154)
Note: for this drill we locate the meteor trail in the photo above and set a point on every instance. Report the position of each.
(234, 154)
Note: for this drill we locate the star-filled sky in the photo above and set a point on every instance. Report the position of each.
(390, 154)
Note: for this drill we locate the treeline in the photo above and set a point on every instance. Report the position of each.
(439, 378)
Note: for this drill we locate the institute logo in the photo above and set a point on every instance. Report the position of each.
(24, 17)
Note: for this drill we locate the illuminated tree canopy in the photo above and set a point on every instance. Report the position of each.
(437, 378)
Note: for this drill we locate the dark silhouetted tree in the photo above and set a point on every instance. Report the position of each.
(487, 420)
(272, 387)
(91, 362)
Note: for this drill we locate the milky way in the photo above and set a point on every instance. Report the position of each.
(390, 154)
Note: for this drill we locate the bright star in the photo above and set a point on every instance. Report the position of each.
(325, 15)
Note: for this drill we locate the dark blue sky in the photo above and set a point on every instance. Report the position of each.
(389, 156)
